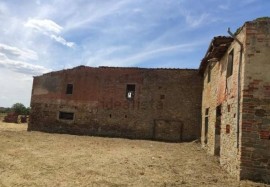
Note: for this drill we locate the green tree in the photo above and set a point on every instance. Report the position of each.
(19, 108)
(28, 110)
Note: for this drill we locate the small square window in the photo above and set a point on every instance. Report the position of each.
(69, 89)
(130, 91)
(230, 64)
(66, 115)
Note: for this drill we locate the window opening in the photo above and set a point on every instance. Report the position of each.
(228, 129)
(207, 111)
(130, 91)
(206, 130)
(230, 64)
(218, 111)
(69, 89)
(209, 74)
(162, 96)
(206, 125)
(66, 115)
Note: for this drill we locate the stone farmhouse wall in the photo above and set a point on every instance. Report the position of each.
(159, 104)
(243, 145)
(255, 126)
(220, 99)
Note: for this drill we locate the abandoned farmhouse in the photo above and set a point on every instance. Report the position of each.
(226, 102)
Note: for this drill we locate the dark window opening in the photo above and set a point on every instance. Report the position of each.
(66, 115)
(206, 125)
(69, 89)
(218, 111)
(230, 64)
(207, 111)
(228, 129)
(110, 116)
(162, 96)
(125, 116)
(209, 74)
(130, 92)
(229, 108)
(205, 130)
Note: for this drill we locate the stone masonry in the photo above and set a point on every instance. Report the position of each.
(226, 102)
(236, 101)
(159, 104)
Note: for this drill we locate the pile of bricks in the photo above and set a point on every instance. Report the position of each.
(11, 117)
(15, 118)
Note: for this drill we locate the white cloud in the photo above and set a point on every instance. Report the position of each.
(21, 67)
(15, 87)
(38, 2)
(137, 10)
(95, 13)
(13, 58)
(62, 40)
(139, 57)
(44, 25)
(49, 28)
(24, 54)
(196, 20)
(3, 8)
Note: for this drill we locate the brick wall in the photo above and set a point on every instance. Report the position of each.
(255, 145)
(166, 104)
(245, 154)
(220, 96)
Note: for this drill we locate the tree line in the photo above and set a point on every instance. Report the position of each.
(17, 108)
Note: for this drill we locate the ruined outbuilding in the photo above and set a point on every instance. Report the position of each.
(236, 101)
(159, 104)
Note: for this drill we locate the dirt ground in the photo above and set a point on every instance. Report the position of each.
(42, 159)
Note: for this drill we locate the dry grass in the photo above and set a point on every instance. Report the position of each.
(40, 159)
(2, 116)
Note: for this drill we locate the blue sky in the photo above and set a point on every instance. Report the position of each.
(40, 36)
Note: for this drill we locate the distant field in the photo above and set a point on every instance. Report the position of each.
(40, 159)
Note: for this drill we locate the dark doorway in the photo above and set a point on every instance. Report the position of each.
(206, 126)
(217, 130)
(206, 129)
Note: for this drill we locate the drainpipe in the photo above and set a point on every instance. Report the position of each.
(238, 85)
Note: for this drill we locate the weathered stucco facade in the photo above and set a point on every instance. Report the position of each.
(159, 104)
(236, 101)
